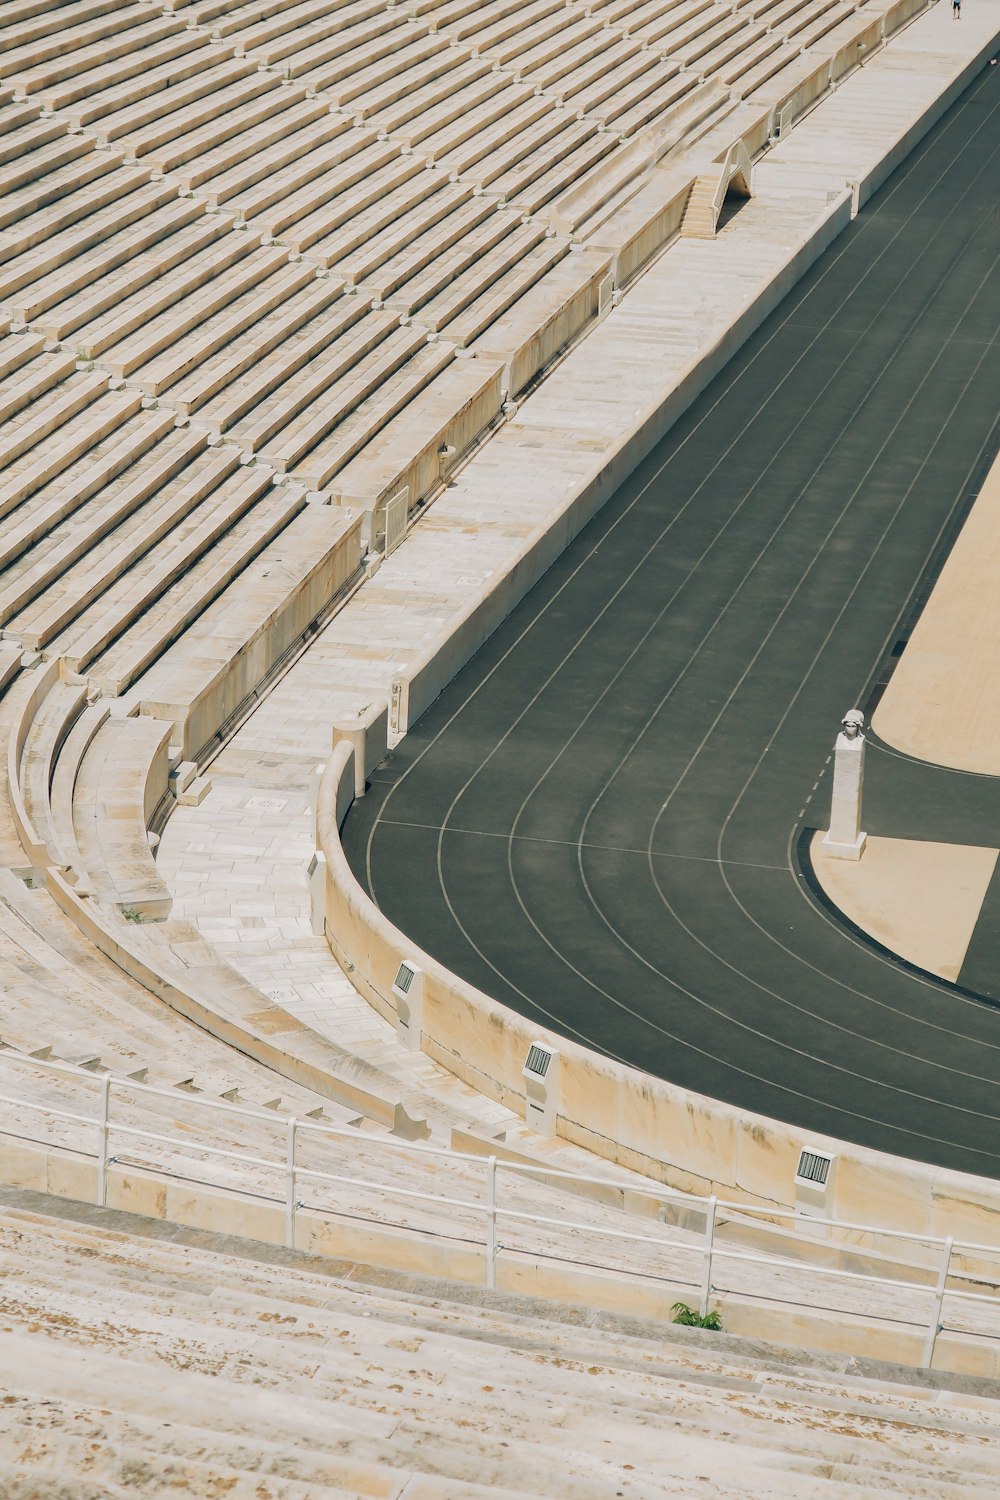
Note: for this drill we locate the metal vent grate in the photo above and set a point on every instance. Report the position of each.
(404, 979)
(814, 1168)
(538, 1060)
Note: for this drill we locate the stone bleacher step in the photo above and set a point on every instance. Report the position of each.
(110, 29)
(427, 431)
(537, 56)
(755, 52)
(554, 74)
(167, 106)
(723, 27)
(500, 150)
(343, 225)
(228, 16)
(42, 743)
(29, 372)
(17, 349)
(15, 116)
(814, 30)
(28, 20)
(624, 58)
(437, 103)
(28, 138)
(473, 315)
(466, 269)
(115, 783)
(85, 75)
(651, 105)
(589, 88)
(120, 435)
(241, 136)
(97, 311)
(55, 80)
(355, 159)
(475, 215)
(687, 23)
(408, 108)
(88, 997)
(357, 379)
(291, 375)
(58, 150)
(372, 238)
(230, 323)
(487, 30)
(167, 280)
(321, 53)
(130, 518)
(343, 75)
(555, 164)
(22, 470)
(110, 89)
(302, 21)
(45, 188)
(153, 602)
(564, 173)
(480, 114)
(75, 260)
(365, 419)
(471, 1327)
(636, 1411)
(74, 204)
(221, 375)
(507, 119)
(233, 110)
(262, 180)
(212, 676)
(420, 69)
(809, 14)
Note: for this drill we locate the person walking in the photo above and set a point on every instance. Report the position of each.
(956, 9)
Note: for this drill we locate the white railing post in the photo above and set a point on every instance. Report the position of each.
(934, 1327)
(290, 1204)
(709, 1251)
(491, 1223)
(102, 1141)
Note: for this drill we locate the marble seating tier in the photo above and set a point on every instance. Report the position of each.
(201, 1356)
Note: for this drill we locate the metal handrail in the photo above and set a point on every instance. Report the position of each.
(709, 1248)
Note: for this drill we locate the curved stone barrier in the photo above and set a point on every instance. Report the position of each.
(30, 816)
(687, 1140)
(174, 963)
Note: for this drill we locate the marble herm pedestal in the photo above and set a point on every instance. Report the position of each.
(845, 839)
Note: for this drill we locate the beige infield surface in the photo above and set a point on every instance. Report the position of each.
(922, 900)
(943, 700)
(918, 899)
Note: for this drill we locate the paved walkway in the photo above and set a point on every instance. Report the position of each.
(237, 863)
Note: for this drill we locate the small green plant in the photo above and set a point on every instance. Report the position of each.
(132, 914)
(688, 1318)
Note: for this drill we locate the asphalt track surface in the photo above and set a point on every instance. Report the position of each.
(601, 821)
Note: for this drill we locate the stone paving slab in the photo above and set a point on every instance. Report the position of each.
(238, 870)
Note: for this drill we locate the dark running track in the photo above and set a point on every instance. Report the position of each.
(599, 822)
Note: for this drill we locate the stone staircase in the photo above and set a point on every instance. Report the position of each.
(144, 1360)
(699, 215)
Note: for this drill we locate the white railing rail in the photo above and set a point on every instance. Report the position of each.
(940, 1285)
(737, 160)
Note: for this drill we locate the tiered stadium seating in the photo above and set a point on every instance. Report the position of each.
(246, 247)
(206, 1370)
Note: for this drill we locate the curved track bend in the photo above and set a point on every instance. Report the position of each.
(599, 821)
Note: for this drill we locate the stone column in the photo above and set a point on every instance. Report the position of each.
(845, 840)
